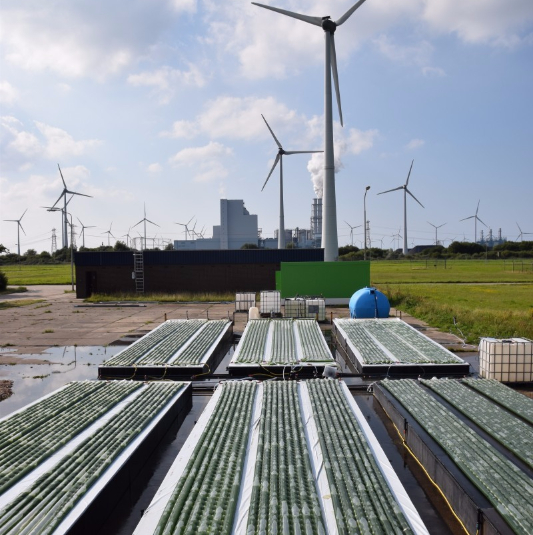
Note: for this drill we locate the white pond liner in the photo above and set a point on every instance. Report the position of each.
(26, 482)
(152, 515)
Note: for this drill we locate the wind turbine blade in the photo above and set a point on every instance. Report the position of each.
(275, 163)
(465, 218)
(59, 198)
(289, 152)
(273, 135)
(317, 21)
(23, 214)
(21, 228)
(349, 13)
(14, 220)
(153, 223)
(478, 206)
(335, 75)
(480, 220)
(64, 183)
(519, 228)
(409, 174)
(431, 224)
(389, 190)
(79, 221)
(190, 220)
(348, 223)
(75, 193)
(136, 223)
(415, 198)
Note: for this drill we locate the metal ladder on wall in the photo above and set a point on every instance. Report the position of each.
(138, 269)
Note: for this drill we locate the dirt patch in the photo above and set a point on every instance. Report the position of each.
(5, 389)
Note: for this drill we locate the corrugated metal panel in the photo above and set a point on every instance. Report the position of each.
(168, 258)
(245, 256)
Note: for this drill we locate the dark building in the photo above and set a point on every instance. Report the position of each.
(186, 271)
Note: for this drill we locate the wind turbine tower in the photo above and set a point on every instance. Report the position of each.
(405, 192)
(82, 232)
(436, 228)
(279, 158)
(64, 195)
(145, 220)
(351, 231)
(54, 242)
(19, 226)
(330, 241)
(476, 219)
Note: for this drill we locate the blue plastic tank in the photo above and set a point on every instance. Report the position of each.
(369, 303)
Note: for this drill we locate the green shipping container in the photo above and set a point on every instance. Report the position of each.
(333, 280)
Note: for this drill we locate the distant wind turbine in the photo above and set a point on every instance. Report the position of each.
(186, 227)
(19, 226)
(436, 228)
(520, 236)
(330, 241)
(405, 192)
(279, 158)
(145, 220)
(351, 231)
(108, 232)
(476, 219)
(64, 195)
(396, 237)
(83, 227)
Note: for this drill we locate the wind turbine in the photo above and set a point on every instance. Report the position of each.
(476, 219)
(19, 226)
(64, 195)
(279, 158)
(145, 220)
(436, 241)
(127, 236)
(83, 227)
(108, 232)
(405, 192)
(330, 241)
(186, 227)
(519, 236)
(397, 237)
(351, 231)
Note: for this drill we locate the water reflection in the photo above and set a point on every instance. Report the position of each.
(69, 363)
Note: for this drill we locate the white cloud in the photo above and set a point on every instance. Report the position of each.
(415, 144)
(481, 21)
(154, 168)
(8, 94)
(206, 163)
(77, 39)
(53, 142)
(181, 129)
(166, 80)
(238, 118)
(419, 54)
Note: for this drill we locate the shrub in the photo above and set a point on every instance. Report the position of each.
(3, 281)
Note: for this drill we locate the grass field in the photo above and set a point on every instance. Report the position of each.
(22, 275)
(420, 271)
(497, 310)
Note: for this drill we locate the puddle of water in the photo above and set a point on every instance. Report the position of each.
(69, 363)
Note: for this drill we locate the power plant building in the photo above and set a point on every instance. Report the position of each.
(237, 227)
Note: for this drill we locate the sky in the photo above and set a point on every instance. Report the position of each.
(160, 102)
